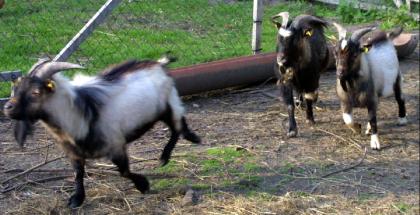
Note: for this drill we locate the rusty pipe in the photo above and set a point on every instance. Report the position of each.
(224, 73)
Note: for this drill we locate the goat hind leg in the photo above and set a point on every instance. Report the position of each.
(141, 182)
(402, 120)
(188, 134)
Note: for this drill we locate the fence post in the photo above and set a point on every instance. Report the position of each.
(84, 33)
(256, 27)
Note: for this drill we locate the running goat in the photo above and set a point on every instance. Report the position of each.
(98, 116)
(365, 72)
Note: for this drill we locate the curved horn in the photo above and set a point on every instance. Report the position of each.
(50, 68)
(341, 31)
(355, 37)
(284, 16)
(34, 68)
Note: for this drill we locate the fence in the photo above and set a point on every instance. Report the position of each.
(194, 31)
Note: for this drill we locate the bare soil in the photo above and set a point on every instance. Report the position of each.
(289, 177)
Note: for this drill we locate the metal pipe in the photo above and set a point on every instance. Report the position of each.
(224, 73)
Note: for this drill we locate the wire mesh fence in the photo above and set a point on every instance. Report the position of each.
(193, 31)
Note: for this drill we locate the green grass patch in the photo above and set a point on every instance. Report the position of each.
(195, 31)
(211, 166)
(226, 154)
(170, 183)
(402, 207)
(171, 167)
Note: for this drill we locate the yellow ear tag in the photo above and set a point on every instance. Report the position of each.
(365, 49)
(51, 85)
(308, 33)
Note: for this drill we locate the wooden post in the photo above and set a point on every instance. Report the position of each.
(256, 27)
(84, 33)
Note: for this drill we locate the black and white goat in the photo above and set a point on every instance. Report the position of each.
(302, 55)
(365, 72)
(95, 117)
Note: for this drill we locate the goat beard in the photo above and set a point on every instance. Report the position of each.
(286, 74)
(22, 129)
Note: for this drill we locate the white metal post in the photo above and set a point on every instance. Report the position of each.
(256, 27)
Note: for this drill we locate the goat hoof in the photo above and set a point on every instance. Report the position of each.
(310, 121)
(291, 134)
(163, 162)
(76, 200)
(402, 121)
(374, 142)
(192, 138)
(141, 183)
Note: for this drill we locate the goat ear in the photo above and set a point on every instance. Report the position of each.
(22, 129)
(277, 24)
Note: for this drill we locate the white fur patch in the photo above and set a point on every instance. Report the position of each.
(284, 32)
(348, 118)
(311, 96)
(344, 44)
(368, 128)
(374, 142)
(402, 121)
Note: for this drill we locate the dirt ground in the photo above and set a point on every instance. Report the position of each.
(262, 171)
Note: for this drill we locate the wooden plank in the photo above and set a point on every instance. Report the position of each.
(9, 75)
(84, 33)
(256, 27)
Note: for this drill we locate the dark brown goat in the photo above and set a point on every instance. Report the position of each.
(302, 55)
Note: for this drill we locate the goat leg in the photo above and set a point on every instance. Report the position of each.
(374, 139)
(141, 182)
(188, 134)
(287, 94)
(79, 196)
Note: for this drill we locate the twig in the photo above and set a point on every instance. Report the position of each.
(31, 169)
(341, 138)
(348, 168)
(54, 178)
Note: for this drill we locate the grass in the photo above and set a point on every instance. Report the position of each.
(195, 31)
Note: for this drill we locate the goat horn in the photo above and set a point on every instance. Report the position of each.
(49, 69)
(341, 31)
(284, 16)
(34, 68)
(355, 37)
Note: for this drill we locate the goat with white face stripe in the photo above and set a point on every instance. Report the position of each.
(366, 72)
(302, 55)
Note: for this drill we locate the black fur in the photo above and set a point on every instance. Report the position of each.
(116, 72)
(306, 63)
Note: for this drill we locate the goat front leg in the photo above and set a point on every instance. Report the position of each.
(287, 94)
(374, 139)
(348, 118)
(79, 196)
(310, 98)
(121, 160)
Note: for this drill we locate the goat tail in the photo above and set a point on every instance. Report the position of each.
(394, 33)
(166, 59)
